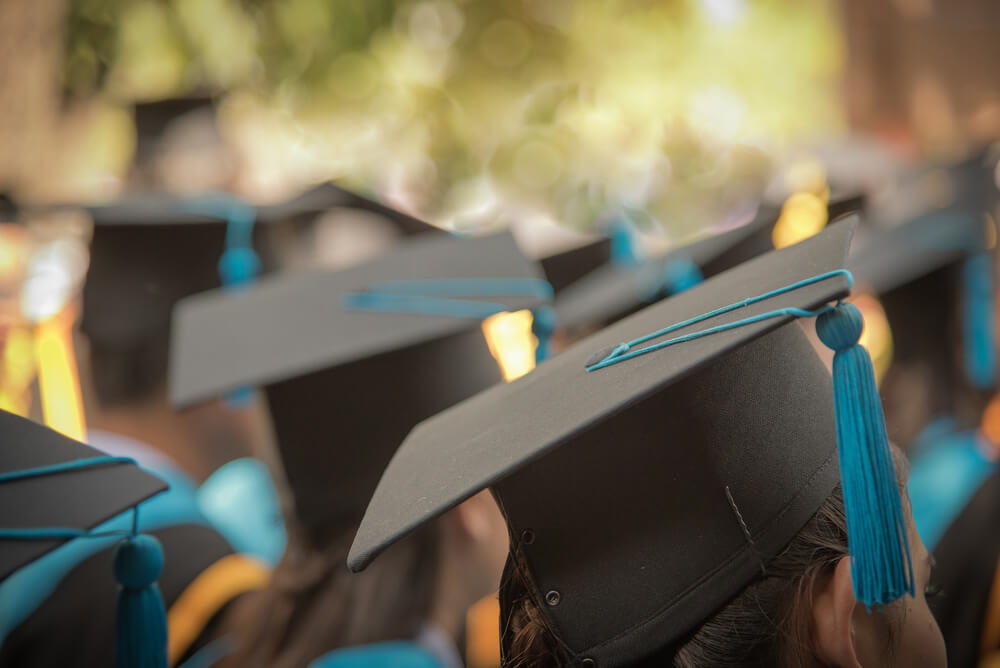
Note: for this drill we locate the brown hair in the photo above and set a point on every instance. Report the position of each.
(314, 605)
(764, 625)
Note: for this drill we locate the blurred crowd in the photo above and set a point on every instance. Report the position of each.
(442, 333)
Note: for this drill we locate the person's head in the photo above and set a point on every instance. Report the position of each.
(314, 604)
(800, 612)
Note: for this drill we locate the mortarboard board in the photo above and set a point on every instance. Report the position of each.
(644, 486)
(351, 360)
(328, 196)
(54, 489)
(564, 268)
(615, 290)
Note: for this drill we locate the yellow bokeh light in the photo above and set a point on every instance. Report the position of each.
(58, 376)
(802, 215)
(876, 337)
(511, 342)
(17, 370)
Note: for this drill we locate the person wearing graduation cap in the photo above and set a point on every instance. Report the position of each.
(60, 499)
(688, 487)
(348, 361)
(144, 256)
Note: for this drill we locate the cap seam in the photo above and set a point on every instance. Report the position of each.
(732, 558)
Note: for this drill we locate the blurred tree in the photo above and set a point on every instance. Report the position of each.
(470, 111)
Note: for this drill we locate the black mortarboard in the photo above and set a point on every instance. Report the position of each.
(150, 250)
(937, 267)
(647, 493)
(147, 252)
(614, 290)
(564, 268)
(345, 385)
(78, 499)
(329, 196)
(154, 117)
(54, 489)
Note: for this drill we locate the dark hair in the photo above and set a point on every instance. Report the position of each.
(314, 605)
(765, 625)
(123, 375)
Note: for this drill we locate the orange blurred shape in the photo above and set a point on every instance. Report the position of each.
(802, 215)
(58, 376)
(990, 427)
(511, 342)
(14, 247)
(483, 634)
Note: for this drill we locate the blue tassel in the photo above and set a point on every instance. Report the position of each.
(238, 266)
(142, 619)
(237, 269)
(543, 323)
(979, 345)
(624, 249)
(880, 553)
(680, 274)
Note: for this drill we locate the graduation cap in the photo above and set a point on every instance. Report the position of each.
(645, 483)
(147, 252)
(328, 196)
(351, 360)
(922, 268)
(54, 489)
(614, 290)
(564, 268)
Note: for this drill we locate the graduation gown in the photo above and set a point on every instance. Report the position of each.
(968, 574)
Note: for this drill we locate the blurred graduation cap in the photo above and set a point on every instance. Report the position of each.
(564, 268)
(938, 267)
(54, 489)
(327, 196)
(646, 483)
(614, 290)
(147, 251)
(351, 360)
(150, 250)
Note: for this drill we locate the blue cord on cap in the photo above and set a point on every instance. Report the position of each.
(239, 263)
(141, 624)
(439, 296)
(881, 564)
